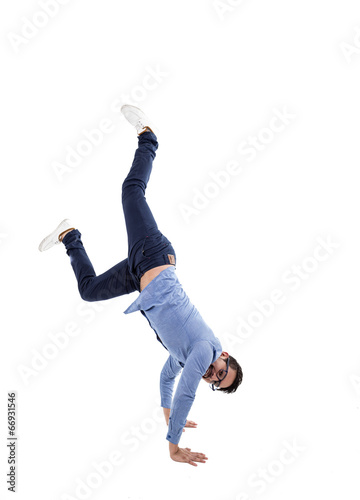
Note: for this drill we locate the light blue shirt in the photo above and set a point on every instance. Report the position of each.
(192, 345)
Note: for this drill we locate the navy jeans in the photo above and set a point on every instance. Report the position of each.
(147, 246)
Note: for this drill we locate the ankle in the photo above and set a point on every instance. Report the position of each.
(64, 233)
(146, 129)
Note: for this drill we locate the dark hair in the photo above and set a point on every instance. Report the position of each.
(238, 379)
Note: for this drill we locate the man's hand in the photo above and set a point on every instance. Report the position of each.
(190, 423)
(186, 455)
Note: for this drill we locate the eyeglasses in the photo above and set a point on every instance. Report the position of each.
(221, 374)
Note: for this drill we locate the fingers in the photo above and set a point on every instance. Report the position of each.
(190, 423)
(196, 457)
(192, 462)
(190, 457)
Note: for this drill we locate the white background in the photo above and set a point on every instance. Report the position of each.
(224, 70)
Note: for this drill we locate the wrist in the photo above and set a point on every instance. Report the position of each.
(173, 448)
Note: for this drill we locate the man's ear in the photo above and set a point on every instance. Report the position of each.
(225, 354)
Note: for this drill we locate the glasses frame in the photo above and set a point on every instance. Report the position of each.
(212, 385)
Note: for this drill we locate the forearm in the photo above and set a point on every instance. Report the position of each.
(167, 380)
(200, 357)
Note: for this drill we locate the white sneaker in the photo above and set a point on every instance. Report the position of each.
(53, 238)
(137, 118)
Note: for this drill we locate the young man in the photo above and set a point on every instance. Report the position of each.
(150, 270)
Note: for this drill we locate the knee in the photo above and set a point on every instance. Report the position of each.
(85, 295)
(133, 188)
(132, 184)
(86, 291)
(124, 187)
(93, 294)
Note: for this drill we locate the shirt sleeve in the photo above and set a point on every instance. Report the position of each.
(167, 380)
(195, 367)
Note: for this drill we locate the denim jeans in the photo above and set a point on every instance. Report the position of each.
(147, 246)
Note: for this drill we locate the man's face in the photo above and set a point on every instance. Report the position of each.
(217, 369)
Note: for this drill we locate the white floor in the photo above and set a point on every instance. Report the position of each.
(255, 183)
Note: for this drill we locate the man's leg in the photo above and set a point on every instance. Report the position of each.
(147, 246)
(113, 283)
(138, 216)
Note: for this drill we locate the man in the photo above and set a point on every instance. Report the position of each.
(150, 270)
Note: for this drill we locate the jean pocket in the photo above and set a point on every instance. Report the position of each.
(154, 244)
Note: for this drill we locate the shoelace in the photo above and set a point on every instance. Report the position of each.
(140, 125)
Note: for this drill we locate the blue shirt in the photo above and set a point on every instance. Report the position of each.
(191, 344)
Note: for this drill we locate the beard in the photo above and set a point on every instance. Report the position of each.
(208, 372)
